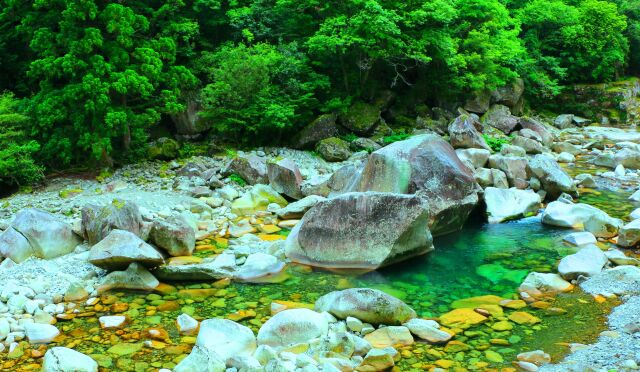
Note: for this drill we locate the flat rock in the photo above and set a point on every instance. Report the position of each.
(588, 261)
(62, 359)
(368, 305)
(389, 336)
(580, 238)
(121, 248)
(40, 333)
(509, 204)
(581, 216)
(226, 338)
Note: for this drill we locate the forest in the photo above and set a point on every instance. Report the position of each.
(87, 83)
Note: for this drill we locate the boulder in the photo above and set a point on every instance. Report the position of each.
(364, 144)
(429, 164)
(509, 204)
(163, 148)
(379, 229)
(566, 147)
(297, 209)
(463, 133)
(629, 234)
(626, 157)
(121, 248)
(389, 336)
(189, 121)
(201, 359)
(47, 236)
(499, 117)
(226, 338)
(515, 168)
(588, 261)
(324, 126)
(368, 305)
(251, 168)
(479, 102)
(540, 129)
(175, 235)
(581, 216)
(285, 178)
(294, 326)
(477, 158)
(580, 238)
(428, 330)
(97, 222)
(40, 333)
(529, 145)
(334, 149)
(62, 359)
(513, 150)
(361, 118)
(563, 121)
(257, 199)
(530, 134)
(510, 94)
(555, 180)
(135, 277)
(536, 284)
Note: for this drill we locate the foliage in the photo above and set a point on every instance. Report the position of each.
(496, 143)
(17, 166)
(395, 138)
(236, 178)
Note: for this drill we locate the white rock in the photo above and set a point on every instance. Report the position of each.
(581, 216)
(588, 261)
(186, 324)
(41, 333)
(629, 234)
(565, 157)
(537, 357)
(536, 284)
(509, 204)
(354, 324)
(619, 258)
(292, 327)
(580, 238)
(62, 359)
(428, 330)
(635, 214)
(620, 171)
(201, 359)
(226, 338)
(635, 196)
(112, 321)
(4, 328)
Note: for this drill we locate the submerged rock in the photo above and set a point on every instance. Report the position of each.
(429, 164)
(509, 204)
(581, 216)
(121, 248)
(588, 261)
(62, 359)
(257, 199)
(368, 305)
(294, 326)
(389, 336)
(361, 230)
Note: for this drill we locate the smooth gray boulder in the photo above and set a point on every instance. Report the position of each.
(514, 167)
(15, 246)
(297, 209)
(285, 178)
(539, 128)
(509, 204)
(98, 221)
(429, 164)
(367, 304)
(135, 277)
(324, 126)
(293, 326)
(580, 238)
(563, 121)
(201, 359)
(62, 359)
(582, 217)
(463, 133)
(361, 231)
(499, 117)
(175, 235)
(226, 338)
(588, 261)
(251, 168)
(121, 248)
(555, 180)
(529, 145)
(477, 158)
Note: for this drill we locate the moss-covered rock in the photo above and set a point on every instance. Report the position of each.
(333, 149)
(163, 148)
(361, 118)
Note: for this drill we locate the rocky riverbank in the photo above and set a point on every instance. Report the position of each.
(183, 231)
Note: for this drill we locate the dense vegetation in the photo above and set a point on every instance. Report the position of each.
(88, 79)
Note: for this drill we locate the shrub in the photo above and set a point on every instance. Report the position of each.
(496, 143)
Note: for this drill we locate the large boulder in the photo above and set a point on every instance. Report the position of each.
(555, 180)
(510, 94)
(175, 235)
(226, 338)
(163, 148)
(529, 145)
(475, 158)
(366, 304)
(509, 204)
(62, 359)
(257, 199)
(588, 261)
(361, 231)
(463, 133)
(514, 167)
(334, 149)
(297, 209)
(536, 284)
(293, 326)
(361, 118)
(97, 222)
(479, 102)
(37, 233)
(285, 178)
(499, 117)
(534, 125)
(202, 360)
(324, 126)
(581, 216)
(251, 168)
(629, 234)
(121, 248)
(429, 164)
(563, 121)
(135, 277)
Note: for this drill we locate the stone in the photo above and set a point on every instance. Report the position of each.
(251, 168)
(378, 360)
(588, 261)
(293, 326)
(285, 178)
(539, 128)
(581, 216)
(256, 200)
(40, 333)
(586, 180)
(368, 305)
(121, 248)
(478, 158)
(97, 222)
(364, 144)
(463, 133)
(134, 277)
(530, 146)
(201, 359)
(353, 324)
(479, 102)
(428, 330)
(474, 302)
(563, 121)
(555, 180)
(112, 321)
(513, 150)
(619, 258)
(258, 265)
(361, 118)
(629, 234)
(566, 147)
(514, 167)
(537, 357)
(522, 317)
(5, 328)
(47, 236)
(334, 149)
(499, 117)
(15, 246)
(429, 164)
(385, 228)
(175, 235)
(324, 126)
(62, 359)
(462, 318)
(189, 121)
(186, 324)
(565, 157)
(580, 238)
(536, 284)
(163, 148)
(502, 326)
(508, 204)
(226, 338)
(297, 209)
(389, 336)
(510, 94)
